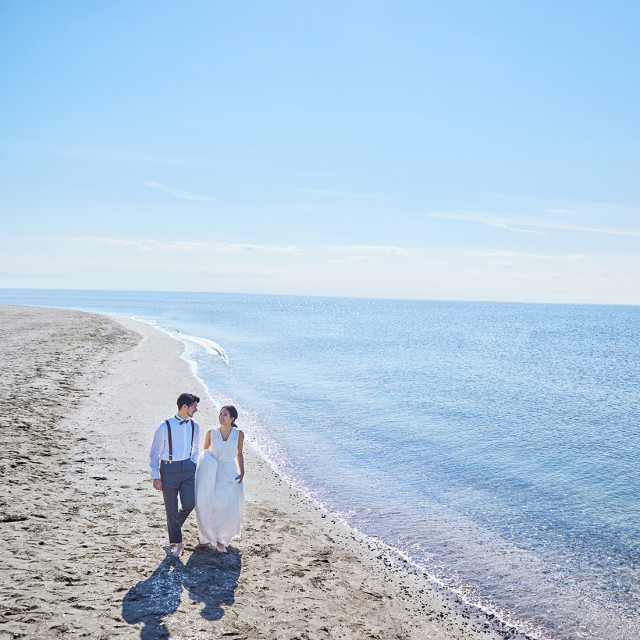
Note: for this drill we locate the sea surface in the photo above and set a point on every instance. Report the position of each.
(495, 445)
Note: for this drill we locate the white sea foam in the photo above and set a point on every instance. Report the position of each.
(145, 320)
(211, 347)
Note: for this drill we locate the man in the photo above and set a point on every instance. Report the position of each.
(173, 457)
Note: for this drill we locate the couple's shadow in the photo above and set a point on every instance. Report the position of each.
(208, 576)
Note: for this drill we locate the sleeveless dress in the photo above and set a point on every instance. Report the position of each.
(219, 496)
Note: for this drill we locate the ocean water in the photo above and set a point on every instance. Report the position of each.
(497, 446)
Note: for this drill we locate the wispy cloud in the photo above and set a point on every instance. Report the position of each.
(513, 223)
(358, 261)
(145, 245)
(224, 247)
(482, 218)
(176, 193)
(179, 245)
(534, 256)
(116, 242)
(399, 251)
(343, 194)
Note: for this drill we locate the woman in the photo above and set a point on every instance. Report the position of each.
(219, 490)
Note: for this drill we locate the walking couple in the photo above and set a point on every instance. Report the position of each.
(211, 481)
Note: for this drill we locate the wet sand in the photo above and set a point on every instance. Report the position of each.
(83, 530)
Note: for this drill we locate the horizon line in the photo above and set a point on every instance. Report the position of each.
(340, 297)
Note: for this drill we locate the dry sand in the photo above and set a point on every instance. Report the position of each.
(83, 529)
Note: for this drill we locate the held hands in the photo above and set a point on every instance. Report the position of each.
(157, 484)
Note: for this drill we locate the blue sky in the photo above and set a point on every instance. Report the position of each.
(478, 150)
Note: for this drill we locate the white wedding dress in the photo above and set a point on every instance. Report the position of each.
(219, 496)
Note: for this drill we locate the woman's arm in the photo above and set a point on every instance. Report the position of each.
(240, 457)
(207, 440)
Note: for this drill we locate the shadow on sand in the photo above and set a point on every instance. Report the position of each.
(208, 576)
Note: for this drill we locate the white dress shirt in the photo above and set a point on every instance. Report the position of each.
(180, 443)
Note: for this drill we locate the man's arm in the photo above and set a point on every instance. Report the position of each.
(157, 446)
(195, 449)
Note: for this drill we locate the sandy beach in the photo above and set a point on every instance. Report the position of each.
(83, 530)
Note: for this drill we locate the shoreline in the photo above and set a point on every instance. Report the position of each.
(391, 556)
(297, 570)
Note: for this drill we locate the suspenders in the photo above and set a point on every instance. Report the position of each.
(169, 434)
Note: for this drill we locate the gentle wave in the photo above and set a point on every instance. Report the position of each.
(210, 347)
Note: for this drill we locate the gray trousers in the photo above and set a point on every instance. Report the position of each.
(178, 478)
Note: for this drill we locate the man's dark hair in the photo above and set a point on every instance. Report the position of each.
(188, 399)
